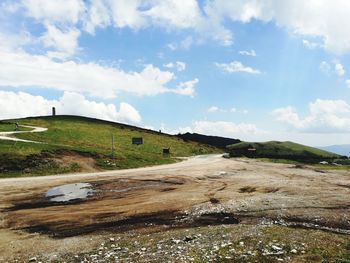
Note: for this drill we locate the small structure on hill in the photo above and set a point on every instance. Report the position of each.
(53, 111)
(166, 152)
(251, 150)
(137, 140)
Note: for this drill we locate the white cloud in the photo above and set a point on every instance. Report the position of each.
(186, 43)
(224, 128)
(173, 13)
(98, 15)
(18, 105)
(15, 41)
(248, 53)
(54, 11)
(183, 44)
(310, 44)
(134, 14)
(172, 46)
(323, 19)
(326, 116)
(186, 88)
(19, 69)
(244, 131)
(125, 13)
(65, 42)
(339, 69)
(10, 6)
(237, 66)
(180, 66)
(216, 109)
(137, 14)
(289, 116)
(60, 20)
(347, 82)
(213, 109)
(325, 67)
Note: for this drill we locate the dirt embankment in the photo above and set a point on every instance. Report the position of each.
(59, 161)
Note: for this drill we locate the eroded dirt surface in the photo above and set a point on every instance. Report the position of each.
(204, 190)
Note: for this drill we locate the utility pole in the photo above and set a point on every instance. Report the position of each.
(113, 150)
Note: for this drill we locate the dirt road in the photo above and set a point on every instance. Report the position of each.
(9, 135)
(202, 190)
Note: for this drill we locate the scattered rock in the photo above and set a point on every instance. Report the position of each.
(188, 238)
(276, 247)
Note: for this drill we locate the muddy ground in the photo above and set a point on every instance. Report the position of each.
(201, 191)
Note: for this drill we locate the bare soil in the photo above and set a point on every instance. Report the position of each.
(201, 191)
(85, 164)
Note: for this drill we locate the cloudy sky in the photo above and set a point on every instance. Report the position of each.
(248, 69)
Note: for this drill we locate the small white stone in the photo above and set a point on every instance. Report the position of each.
(276, 247)
(176, 241)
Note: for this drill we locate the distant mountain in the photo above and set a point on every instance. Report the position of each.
(216, 141)
(343, 149)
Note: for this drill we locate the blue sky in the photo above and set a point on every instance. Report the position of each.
(254, 70)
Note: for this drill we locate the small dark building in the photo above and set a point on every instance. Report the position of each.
(137, 140)
(166, 152)
(53, 111)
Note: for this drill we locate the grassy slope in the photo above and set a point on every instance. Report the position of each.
(287, 150)
(7, 126)
(94, 138)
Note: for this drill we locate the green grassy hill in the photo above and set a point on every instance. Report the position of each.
(6, 126)
(90, 138)
(281, 150)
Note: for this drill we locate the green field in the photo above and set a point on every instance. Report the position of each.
(283, 151)
(9, 126)
(91, 138)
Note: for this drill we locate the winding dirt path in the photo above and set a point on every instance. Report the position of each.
(9, 135)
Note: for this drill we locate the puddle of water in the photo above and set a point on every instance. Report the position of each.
(69, 192)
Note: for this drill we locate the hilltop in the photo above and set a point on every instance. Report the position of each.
(74, 143)
(216, 141)
(282, 150)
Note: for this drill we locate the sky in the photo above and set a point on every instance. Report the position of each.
(256, 70)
